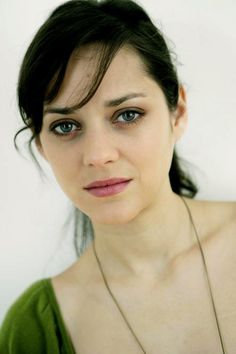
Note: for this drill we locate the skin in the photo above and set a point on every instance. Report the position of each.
(144, 237)
(103, 148)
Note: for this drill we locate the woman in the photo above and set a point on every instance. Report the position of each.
(100, 94)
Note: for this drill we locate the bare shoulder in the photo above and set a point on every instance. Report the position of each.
(214, 218)
(74, 284)
(216, 223)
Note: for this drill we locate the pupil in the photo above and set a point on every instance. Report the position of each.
(66, 127)
(129, 115)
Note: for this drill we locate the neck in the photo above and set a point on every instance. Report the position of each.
(148, 245)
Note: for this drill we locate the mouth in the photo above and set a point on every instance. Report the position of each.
(107, 182)
(104, 188)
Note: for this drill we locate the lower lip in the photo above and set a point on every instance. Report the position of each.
(108, 190)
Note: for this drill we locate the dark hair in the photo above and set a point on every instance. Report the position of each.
(111, 24)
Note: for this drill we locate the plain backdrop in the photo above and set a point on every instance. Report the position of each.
(33, 242)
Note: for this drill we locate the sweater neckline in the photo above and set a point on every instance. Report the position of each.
(56, 307)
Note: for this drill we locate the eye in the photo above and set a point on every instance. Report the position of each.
(63, 128)
(129, 117)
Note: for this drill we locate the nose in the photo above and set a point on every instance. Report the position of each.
(99, 149)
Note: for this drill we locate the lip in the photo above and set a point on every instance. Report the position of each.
(106, 182)
(107, 188)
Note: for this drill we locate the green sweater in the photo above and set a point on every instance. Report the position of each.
(34, 325)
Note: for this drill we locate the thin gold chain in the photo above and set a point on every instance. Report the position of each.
(114, 299)
(207, 278)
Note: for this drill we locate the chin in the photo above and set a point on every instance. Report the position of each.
(113, 217)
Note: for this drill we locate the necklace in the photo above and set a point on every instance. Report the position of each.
(207, 279)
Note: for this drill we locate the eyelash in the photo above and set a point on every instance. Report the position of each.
(135, 121)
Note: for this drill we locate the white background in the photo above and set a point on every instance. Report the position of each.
(33, 243)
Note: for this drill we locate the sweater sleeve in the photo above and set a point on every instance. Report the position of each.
(30, 326)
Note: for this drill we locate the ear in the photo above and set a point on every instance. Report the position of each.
(179, 119)
(40, 147)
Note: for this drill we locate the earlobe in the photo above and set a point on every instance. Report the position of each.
(180, 116)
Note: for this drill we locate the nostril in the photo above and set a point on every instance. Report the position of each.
(100, 154)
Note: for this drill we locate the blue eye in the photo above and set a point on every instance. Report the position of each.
(64, 128)
(129, 117)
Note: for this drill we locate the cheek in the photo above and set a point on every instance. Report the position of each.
(154, 158)
(63, 163)
(66, 171)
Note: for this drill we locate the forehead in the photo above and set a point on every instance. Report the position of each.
(126, 72)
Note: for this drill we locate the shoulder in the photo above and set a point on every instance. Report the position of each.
(33, 300)
(76, 283)
(27, 320)
(220, 251)
(214, 219)
(32, 296)
(215, 222)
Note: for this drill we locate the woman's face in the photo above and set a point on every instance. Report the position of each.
(124, 131)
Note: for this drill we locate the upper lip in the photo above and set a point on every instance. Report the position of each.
(106, 182)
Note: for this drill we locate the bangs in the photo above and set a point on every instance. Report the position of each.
(102, 54)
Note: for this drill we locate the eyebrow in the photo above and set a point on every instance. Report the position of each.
(109, 103)
(117, 101)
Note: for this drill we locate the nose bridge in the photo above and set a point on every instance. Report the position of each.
(99, 147)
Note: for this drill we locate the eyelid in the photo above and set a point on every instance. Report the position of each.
(62, 120)
(56, 124)
(114, 118)
(127, 110)
(130, 109)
